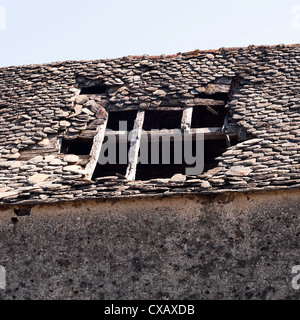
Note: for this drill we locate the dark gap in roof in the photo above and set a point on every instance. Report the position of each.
(160, 170)
(214, 96)
(212, 115)
(100, 89)
(104, 170)
(208, 116)
(115, 117)
(160, 119)
(205, 116)
(145, 68)
(212, 150)
(77, 146)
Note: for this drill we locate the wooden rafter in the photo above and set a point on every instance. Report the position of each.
(186, 121)
(203, 102)
(96, 149)
(135, 145)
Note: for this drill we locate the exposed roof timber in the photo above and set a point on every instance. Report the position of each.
(135, 145)
(172, 105)
(186, 121)
(175, 107)
(209, 133)
(202, 102)
(96, 149)
(211, 110)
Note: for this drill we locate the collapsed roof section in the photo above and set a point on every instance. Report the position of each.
(47, 111)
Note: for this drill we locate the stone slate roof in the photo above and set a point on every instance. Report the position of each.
(38, 104)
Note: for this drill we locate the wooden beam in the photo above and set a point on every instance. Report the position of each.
(211, 110)
(202, 102)
(96, 149)
(186, 121)
(135, 142)
(228, 142)
(209, 133)
(165, 106)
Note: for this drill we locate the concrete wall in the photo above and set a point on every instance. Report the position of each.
(238, 246)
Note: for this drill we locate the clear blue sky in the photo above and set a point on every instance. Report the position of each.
(47, 31)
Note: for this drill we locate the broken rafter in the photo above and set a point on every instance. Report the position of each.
(135, 141)
(96, 149)
(186, 121)
(211, 110)
(228, 142)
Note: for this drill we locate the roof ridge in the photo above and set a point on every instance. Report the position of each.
(162, 56)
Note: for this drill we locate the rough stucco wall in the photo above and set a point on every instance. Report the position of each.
(206, 247)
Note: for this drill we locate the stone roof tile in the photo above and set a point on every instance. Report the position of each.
(40, 103)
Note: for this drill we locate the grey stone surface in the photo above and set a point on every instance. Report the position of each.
(227, 246)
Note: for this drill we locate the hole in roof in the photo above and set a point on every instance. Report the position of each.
(115, 117)
(99, 89)
(211, 112)
(120, 165)
(208, 116)
(212, 150)
(161, 119)
(77, 146)
(214, 96)
(159, 169)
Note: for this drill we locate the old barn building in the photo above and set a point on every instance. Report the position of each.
(71, 228)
